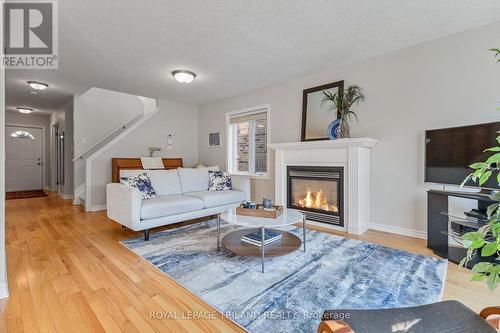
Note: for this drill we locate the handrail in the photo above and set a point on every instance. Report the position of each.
(105, 147)
(110, 135)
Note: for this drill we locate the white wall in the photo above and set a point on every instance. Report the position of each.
(3, 269)
(447, 82)
(98, 112)
(180, 120)
(35, 120)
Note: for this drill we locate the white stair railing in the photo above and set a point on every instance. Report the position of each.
(102, 148)
(107, 138)
(94, 101)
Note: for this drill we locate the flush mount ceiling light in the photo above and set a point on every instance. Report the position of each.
(25, 110)
(38, 85)
(183, 76)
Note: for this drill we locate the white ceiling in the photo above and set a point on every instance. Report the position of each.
(234, 46)
(18, 93)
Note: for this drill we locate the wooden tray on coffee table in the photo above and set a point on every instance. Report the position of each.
(260, 211)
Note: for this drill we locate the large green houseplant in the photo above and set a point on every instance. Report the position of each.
(342, 101)
(486, 241)
(476, 242)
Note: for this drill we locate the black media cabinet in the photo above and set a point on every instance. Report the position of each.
(438, 219)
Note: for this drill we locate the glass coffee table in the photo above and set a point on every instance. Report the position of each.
(287, 244)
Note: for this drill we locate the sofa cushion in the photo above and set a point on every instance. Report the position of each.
(194, 180)
(165, 182)
(218, 198)
(167, 205)
(143, 183)
(125, 174)
(219, 181)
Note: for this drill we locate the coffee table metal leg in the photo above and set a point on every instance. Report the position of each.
(304, 231)
(218, 232)
(263, 232)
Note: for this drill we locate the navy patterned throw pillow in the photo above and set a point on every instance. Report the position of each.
(143, 183)
(219, 181)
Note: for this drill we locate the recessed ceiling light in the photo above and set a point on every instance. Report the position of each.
(25, 110)
(183, 76)
(38, 85)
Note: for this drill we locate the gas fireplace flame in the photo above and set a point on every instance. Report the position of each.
(316, 200)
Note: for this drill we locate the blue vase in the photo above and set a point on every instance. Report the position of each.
(333, 130)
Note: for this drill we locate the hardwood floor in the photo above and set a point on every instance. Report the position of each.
(68, 273)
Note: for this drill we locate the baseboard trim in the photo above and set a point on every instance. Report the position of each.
(65, 196)
(97, 208)
(4, 290)
(399, 230)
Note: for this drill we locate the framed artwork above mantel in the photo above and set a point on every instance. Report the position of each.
(316, 115)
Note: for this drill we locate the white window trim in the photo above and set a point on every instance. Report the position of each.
(231, 147)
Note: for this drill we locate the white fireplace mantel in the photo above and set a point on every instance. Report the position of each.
(351, 154)
(322, 144)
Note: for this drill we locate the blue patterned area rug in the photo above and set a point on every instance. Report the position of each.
(291, 295)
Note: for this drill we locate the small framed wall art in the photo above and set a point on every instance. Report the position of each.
(214, 139)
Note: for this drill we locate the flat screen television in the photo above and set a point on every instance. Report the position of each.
(450, 151)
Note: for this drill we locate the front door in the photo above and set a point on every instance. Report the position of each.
(23, 155)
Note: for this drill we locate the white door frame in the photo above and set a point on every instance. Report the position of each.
(44, 164)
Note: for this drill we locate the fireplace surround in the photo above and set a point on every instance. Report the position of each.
(317, 191)
(352, 155)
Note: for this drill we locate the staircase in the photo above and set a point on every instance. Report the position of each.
(108, 138)
(79, 195)
(92, 104)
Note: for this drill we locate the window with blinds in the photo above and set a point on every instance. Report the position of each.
(247, 141)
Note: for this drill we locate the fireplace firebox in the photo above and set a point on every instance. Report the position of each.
(318, 192)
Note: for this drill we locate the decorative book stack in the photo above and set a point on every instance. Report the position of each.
(255, 238)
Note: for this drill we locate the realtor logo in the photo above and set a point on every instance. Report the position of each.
(30, 35)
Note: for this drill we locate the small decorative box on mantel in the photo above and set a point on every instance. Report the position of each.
(260, 211)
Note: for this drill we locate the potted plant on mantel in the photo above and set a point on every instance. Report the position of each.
(486, 240)
(341, 102)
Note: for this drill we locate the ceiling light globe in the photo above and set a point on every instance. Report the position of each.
(25, 110)
(184, 76)
(38, 85)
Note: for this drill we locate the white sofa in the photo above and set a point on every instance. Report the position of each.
(182, 195)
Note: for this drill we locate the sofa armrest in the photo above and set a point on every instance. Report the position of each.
(242, 183)
(123, 204)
